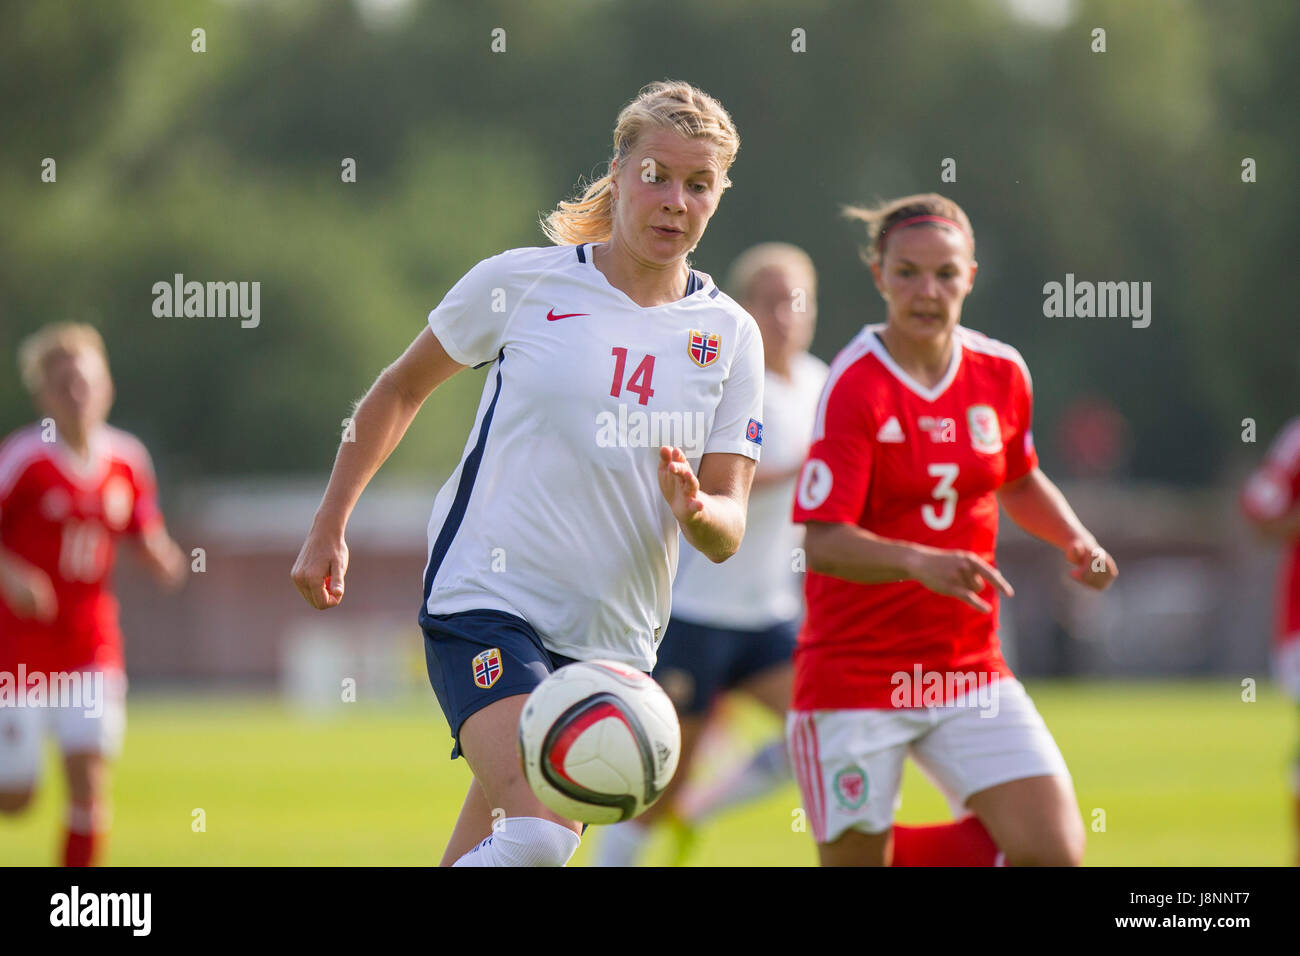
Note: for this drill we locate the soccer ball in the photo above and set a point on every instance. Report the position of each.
(598, 741)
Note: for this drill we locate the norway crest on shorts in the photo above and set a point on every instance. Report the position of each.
(705, 347)
(487, 668)
(985, 433)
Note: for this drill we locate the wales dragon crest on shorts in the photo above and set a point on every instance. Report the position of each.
(704, 347)
(851, 787)
(487, 668)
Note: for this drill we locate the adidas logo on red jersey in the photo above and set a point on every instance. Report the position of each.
(891, 432)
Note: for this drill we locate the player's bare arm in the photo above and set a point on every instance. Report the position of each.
(1279, 529)
(163, 557)
(1035, 504)
(380, 421)
(26, 589)
(1264, 504)
(709, 509)
(849, 552)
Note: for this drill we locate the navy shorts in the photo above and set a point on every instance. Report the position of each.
(476, 658)
(698, 663)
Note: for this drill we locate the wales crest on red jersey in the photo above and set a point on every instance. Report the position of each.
(704, 347)
(985, 435)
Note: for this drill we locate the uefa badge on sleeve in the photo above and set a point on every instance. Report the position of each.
(487, 668)
(704, 347)
(754, 431)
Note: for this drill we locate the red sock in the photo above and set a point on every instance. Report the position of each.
(963, 842)
(79, 850)
(84, 831)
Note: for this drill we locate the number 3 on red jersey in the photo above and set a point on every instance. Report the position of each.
(943, 491)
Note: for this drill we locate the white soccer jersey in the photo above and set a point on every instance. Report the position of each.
(554, 513)
(759, 586)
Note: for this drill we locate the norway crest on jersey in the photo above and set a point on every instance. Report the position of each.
(704, 347)
(985, 433)
(487, 668)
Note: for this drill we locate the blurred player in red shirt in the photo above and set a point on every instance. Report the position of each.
(923, 428)
(1271, 500)
(70, 485)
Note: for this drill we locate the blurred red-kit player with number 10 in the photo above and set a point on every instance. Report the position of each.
(70, 485)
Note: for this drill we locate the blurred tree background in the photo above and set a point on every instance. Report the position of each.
(1123, 165)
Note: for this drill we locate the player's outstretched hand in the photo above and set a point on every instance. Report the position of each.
(1093, 567)
(165, 559)
(318, 572)
(30, 595)
(961, 575)
(678, 483)
(177, 568)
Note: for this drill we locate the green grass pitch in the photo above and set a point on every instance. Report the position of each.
(1186, 773)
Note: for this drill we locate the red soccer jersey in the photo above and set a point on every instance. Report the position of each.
(914, 464)
(62, 516)
(1272, 491)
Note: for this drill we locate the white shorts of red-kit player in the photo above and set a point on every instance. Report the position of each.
(95, 722)
(849, 763)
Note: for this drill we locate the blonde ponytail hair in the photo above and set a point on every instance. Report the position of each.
(668, 105)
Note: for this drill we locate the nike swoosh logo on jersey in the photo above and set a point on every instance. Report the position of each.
(551, 316)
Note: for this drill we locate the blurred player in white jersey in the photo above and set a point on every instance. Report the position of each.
(1271, 500)
(734, 625)
(623, 406)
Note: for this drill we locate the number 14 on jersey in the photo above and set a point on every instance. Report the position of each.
(639, 383)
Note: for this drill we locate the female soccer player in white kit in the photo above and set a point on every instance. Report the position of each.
(623, 404)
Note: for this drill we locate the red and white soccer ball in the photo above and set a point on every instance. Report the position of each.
(599, 741)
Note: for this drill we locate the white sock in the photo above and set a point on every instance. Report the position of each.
(524, 841)
(621, 844)
(768, 769)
